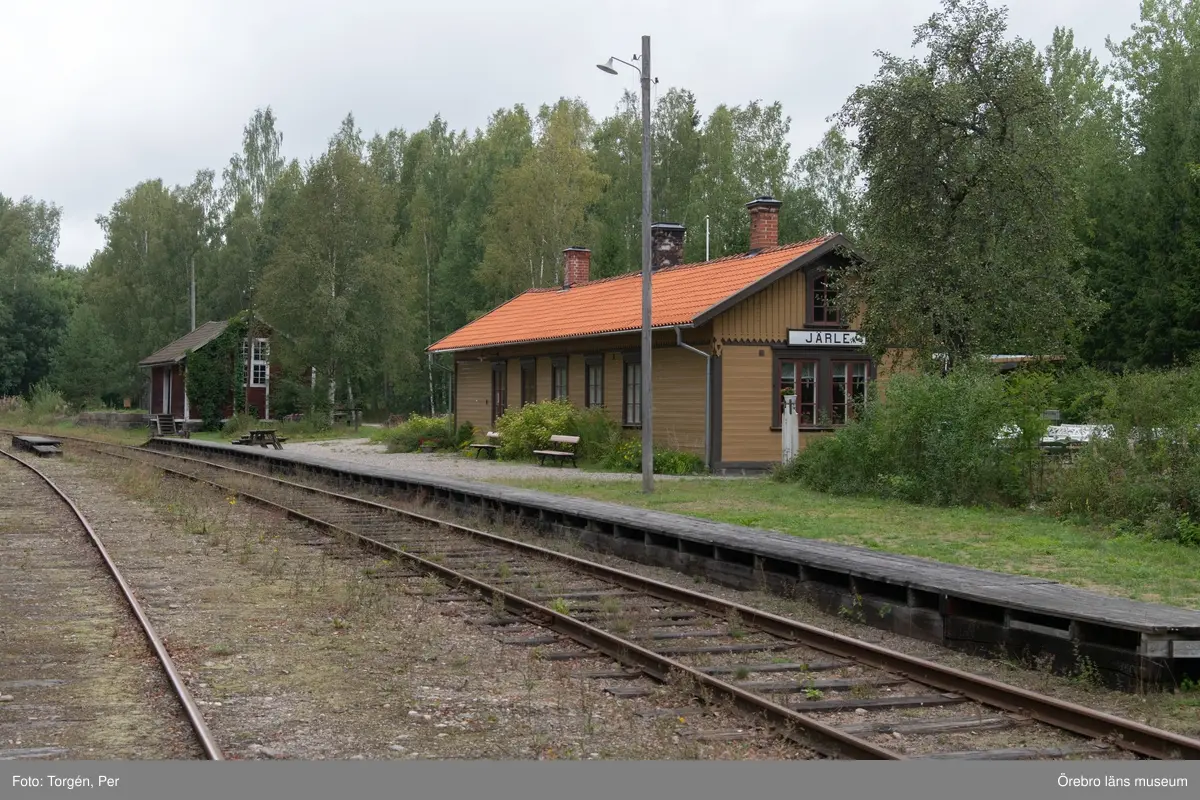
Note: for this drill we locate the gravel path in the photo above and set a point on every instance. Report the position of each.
(361, 451)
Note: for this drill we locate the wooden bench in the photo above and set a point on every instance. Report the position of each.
(490, 447)
(559, 455)
(262, 437)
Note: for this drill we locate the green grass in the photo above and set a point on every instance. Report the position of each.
(296, 432)
(1024, 543)
(293, 432)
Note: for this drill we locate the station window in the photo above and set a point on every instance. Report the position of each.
(633, 393)
(558, 379)
(829, 389)
(595, 382)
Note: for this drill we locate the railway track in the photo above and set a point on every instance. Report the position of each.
(90, 693)
(836, 695)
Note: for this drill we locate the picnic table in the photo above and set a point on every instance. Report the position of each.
(262, 437)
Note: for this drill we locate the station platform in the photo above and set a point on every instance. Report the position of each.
(1127, 644)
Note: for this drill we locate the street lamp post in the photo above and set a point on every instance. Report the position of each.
(647, 350)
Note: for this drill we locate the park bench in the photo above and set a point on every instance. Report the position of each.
(262, 438)
(490, 447)
(559, 455)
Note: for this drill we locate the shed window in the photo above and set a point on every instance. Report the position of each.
(259, 362)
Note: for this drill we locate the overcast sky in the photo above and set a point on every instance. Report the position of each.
(98, 96)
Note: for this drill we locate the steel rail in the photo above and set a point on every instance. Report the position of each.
(795, 726)
(199, 727)
(1122, 733)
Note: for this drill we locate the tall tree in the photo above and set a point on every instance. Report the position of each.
(1153, 273)
(824, 190)
(34, 301)
(332, 287)
(540, 208)
(1099, 158)
(139, 281)
(717, 193)
(969, 203)
(253, 171)
(617, 143)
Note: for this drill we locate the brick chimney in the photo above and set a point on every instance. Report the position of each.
(764, 222)
(666, 245)
(577, 263)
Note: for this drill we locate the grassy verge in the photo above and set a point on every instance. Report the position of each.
(293, 432)
(296, 432)
(1006, 541)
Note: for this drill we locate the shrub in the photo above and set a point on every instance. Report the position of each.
(438, 432)
(597, 433)
(44, 403)
(626, 456)
(933, 441)
(237, 425)
(1141, 482)
(973, 437)
(527, 428)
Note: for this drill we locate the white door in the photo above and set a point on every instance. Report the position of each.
(166, 406)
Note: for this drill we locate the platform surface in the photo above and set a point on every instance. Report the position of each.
(37, 440)
(1021, 592)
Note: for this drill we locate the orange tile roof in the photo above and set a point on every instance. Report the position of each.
(614, 305)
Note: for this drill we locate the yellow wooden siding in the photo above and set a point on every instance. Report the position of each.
(679, 400)
(766, 316)
(614, 367)
(474, 389)
(746, 393)
(577, 381)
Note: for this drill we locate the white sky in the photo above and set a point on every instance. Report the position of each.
(101, 95)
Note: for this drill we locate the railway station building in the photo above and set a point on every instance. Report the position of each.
(731, 336)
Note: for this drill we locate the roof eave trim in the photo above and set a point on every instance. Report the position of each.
(516, 342)
(823, 249)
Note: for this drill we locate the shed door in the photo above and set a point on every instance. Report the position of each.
(166, 391)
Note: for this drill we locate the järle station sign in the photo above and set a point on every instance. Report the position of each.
(825, 339)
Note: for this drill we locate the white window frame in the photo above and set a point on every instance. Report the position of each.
(260, 355)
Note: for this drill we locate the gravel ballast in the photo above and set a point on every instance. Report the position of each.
(296, 650)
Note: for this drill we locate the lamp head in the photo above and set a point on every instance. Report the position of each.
(607, 66)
